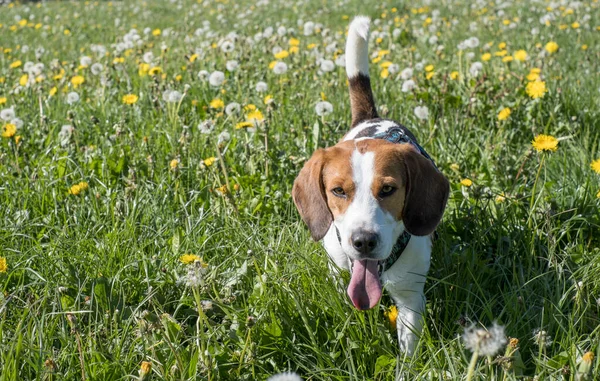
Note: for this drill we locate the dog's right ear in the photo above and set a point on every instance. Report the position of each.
(309, 196)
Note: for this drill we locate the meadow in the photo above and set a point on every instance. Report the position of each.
(147, 155)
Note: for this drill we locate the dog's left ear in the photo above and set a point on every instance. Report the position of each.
(426, 194)
(309, 196)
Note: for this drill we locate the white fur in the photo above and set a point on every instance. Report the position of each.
(382, 126)
(357, 47)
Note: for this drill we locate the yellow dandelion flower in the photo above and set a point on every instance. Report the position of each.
(588, 357)
(173, 164)
(551, 47)
(520, 55)
(385, 64)
(429, 75)
(53, 91)
(502, 45)
(77, 80)
(454, 75)
(385, 73)
(584, 47)
(294, 49)
(209, 161)
(130, 99)
(187, 259)
(241, 125)
(143, 69)
(3, 100)
(217, 103)
(3, 265)
(75, 189)
(507, 59)
(575, 25)
(193, 57)
(598, 194)
(466, 182)
(156, 32)
(429, 68)
(249, 107)
(596, 166)
(255, 116)
(16, 64)
(532, 76)
(545, 143)
(486, 57)
(154, 70)
(66, 32)
(536, 89)
(272, 64)
(282, 54)
(392, 315)
(294, 42)
(500, 198)
(501, 53)
(504, 114)
(311, 46)
(268, 99)
(145, 369)
(9, 130)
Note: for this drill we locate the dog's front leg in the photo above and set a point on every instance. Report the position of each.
(409, 322)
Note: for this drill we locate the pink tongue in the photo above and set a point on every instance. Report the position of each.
(364, 288)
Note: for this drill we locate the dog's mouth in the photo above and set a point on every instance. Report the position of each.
(365, 286)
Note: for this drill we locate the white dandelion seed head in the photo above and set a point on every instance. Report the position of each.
(393, 68)
(433, 40)
(470, 55)
(206, 126)
(216, 78)
(408, 86)
(28, 67)
(541, 337)
(227, 46)
(232, 108)
(486, 342)
(281, 31)
(287, 376)
(268, 32)
(422, 112)
(327, 65)
(341, 60)
(261, 87)
(224, 136)
(148, 57)
(406, 73)
(309, 28)
(232, 65)
(472, 42)
(323, 108)
(72, 98)
(65, 134)
(280, 68)
(172, 96)
(85, 61)
(8, 114)
(17, 122)
(476, 68)
(203, 75)
(97, 68)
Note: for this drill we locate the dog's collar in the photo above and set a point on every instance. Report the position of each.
(397, 135)
(397, 250)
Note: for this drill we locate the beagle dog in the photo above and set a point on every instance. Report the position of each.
(375, 199)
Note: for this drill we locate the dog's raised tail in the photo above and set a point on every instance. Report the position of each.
(357, 68)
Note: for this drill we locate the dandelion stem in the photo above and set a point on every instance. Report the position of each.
(200, 323)
(473, 363)
(533, 200)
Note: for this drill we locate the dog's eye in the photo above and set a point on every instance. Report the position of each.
(386, 190)
(339, 191)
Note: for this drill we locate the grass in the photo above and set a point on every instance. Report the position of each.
(94, 285)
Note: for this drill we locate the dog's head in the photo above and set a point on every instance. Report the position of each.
(371, 190)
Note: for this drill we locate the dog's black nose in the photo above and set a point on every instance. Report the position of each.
(364, 241)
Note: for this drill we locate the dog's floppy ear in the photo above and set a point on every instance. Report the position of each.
(426, 194)
(309, 196)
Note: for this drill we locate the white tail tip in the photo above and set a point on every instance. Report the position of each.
(357, 53)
